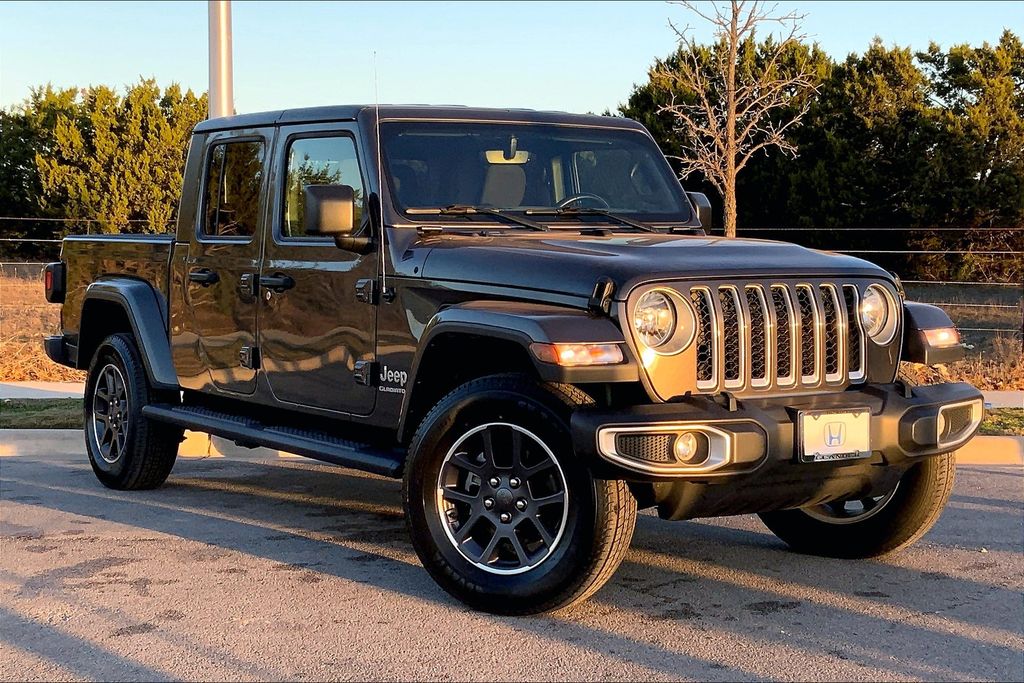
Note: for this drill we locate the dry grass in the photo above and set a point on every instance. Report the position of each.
(25, 318)
(1000, 368)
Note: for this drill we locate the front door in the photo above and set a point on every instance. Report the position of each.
(223, 262)
(316, 337)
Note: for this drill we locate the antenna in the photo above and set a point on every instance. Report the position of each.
(380, 183)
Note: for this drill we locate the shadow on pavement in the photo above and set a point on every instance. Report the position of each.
(76, 655)
(737, 580)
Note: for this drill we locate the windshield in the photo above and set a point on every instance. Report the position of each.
(523, 167)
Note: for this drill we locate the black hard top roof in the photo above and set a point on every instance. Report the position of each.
(408, 111)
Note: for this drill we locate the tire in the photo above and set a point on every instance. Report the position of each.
(555, 551)
(126, 450)
(892, 523)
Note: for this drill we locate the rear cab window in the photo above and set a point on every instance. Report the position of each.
(231, 201)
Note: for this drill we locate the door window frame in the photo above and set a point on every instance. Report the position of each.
(279, 209)
(227, 139)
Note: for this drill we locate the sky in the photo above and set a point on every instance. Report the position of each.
(569, 56)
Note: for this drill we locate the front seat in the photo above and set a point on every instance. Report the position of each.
(504, 186)
(407, 186)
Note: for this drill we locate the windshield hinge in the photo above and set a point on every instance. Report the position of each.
(366, 291)
(249, 357)
(363, 372)
(600, 302)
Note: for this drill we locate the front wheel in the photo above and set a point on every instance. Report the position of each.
(501, 513)
(872, 526)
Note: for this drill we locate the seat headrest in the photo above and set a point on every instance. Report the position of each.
(504, 186)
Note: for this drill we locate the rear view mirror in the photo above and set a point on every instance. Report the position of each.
(703, 208)
(329, 210)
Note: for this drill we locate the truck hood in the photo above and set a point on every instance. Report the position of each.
(573, 263)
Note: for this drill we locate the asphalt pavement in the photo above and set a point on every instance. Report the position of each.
(281, 568)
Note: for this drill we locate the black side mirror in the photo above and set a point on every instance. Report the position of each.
(329, 210)
(703, 208)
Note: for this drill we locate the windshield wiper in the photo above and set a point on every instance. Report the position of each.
(577, 211)
(467, 210)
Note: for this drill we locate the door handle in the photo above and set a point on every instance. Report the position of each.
(203, 276)
(277, 282)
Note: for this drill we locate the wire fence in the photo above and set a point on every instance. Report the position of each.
(986, 312)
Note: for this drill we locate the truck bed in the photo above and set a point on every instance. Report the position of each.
(92, 258)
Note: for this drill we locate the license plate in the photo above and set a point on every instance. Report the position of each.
(835, 434)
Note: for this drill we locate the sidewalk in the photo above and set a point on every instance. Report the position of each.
(993, 399)
(41, 390)
(1004, 399)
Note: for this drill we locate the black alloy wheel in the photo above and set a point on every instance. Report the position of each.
(502, 498)
(110, 414)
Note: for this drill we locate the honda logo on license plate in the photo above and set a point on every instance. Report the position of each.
(825, 435)
(835, 434)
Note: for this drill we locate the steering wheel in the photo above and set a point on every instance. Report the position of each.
(583, 196)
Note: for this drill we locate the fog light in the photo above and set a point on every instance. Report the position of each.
(687, 449)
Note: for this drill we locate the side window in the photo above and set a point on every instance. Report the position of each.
(234, 173)
(318, 161)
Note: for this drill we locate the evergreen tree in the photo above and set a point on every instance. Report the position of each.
(120, 159)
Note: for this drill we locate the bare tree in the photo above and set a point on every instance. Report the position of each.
(736, 104)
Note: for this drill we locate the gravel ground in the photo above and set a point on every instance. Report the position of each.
(287, 569)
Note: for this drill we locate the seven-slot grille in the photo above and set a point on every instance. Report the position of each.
(763, 335)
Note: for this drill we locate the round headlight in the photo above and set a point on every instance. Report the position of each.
(877, 315)
(654, 319)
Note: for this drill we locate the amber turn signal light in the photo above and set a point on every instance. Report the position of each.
(942, 337)
(574, 355)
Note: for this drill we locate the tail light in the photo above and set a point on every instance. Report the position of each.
(54, 282)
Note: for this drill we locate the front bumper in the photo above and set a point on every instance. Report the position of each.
(753, 449)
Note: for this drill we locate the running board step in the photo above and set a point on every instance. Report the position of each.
(306, 442)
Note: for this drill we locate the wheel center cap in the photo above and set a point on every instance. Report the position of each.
(504, 497)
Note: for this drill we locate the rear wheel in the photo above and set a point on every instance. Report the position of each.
(501, 513)
(872, 526)
(126, 450)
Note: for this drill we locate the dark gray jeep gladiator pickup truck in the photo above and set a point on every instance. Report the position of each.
(520, 314)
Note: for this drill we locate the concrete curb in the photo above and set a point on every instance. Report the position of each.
(982, 450)
(41, 390)
(1004, 399)
(43, 442)
(992, 450)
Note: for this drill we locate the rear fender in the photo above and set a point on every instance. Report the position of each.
(145, 311)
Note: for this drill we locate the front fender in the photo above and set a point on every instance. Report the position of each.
(916, 348)
(526, 323)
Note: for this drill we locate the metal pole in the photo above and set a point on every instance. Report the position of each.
(221, 96)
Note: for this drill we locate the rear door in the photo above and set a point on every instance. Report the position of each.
(316, 336)
(222, 265)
